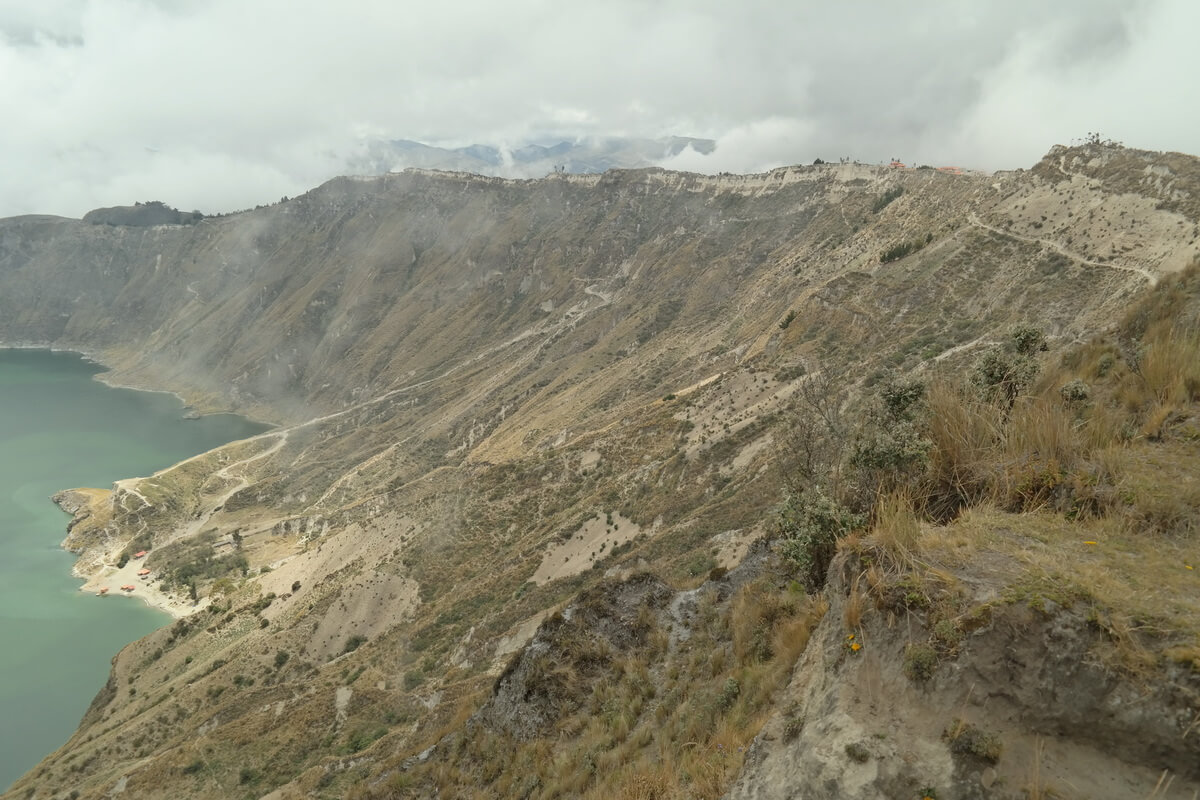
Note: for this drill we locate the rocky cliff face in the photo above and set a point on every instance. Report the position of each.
(491, 393)
(1023, 707)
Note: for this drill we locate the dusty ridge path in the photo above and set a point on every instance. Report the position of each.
(1149, 276)
(958, 348)
(534, 337)
(537, 335)
(128, 486)
(240, 482)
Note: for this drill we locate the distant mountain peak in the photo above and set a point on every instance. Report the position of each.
(529, 159)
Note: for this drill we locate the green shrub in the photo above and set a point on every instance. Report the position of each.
(966, 739)
(810, 524)
(858, 752)
(353, 643)
(729, 694)
(901, 397)
(1029, 340)
(1075, 392)
(899, 251)
(1002, 376)
(362, 738)
(893, 450)
(792, 728)
(885, 199)
(920, 662)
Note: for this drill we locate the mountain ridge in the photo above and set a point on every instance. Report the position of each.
(477, 377)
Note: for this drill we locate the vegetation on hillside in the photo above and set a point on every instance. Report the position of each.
(1066, 466)
(653, 710)
(433, 477)
(1046, 457)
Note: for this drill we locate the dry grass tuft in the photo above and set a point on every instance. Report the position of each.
(856, 604)
(650, 782)
(897, 529)
(1140, 595)
(964, 431)
(1040, 428)
(1169, 367)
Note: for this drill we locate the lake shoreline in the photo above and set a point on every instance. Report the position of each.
(103, 572)
(114, 578)
(61, 427)
(195, 409)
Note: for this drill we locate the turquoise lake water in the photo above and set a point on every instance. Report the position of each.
(60, 429)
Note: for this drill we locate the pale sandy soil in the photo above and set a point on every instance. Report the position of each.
(740, 398)
(514, 641)
(594, 539)
(148, 591)
(732, 545)
(747, 454)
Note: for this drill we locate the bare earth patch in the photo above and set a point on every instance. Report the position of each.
(592, 541)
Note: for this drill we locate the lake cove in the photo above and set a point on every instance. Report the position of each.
(60, 429)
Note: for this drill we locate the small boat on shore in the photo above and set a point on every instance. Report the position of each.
(103, 591)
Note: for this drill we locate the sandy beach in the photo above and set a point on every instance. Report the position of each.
(146, 590)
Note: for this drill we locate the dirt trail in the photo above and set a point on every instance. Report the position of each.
(1149, 276)
(958, 348)
(240, 482)
(540, 334)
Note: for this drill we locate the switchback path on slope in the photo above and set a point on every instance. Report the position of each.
(1058, 248)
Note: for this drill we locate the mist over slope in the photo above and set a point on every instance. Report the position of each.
(494, 394)
(532, 160)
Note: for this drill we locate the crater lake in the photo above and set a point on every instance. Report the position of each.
(60, 429)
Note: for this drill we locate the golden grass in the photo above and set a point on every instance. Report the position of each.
(1160, 486)
(963, 431)
(856, 604)
(897, 528)
(1170, 364)
(1064, 453)
(1140, 589)
(1041, 428)
(660, 722)
(649, 782)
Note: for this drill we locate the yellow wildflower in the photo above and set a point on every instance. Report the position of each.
(856, 647)
(851, 636)
(1089, 543)
(1187, 566)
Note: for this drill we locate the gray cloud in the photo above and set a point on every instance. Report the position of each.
(229, 103)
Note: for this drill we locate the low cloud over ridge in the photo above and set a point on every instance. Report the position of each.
(226, 104)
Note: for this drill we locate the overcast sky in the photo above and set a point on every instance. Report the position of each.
(224, 104)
